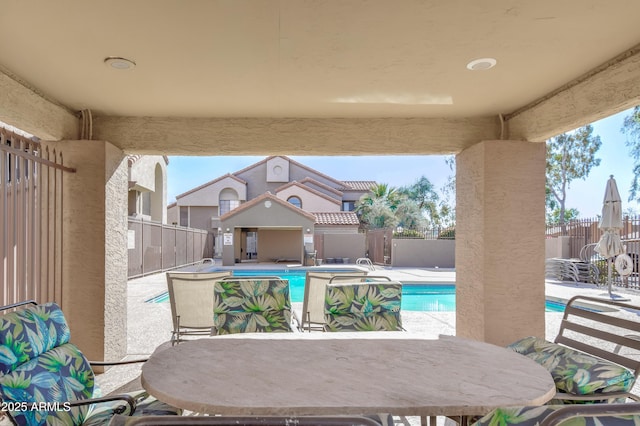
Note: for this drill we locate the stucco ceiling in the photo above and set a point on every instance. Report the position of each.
(296, 58)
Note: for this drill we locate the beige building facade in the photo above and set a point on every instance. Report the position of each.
(295, 190)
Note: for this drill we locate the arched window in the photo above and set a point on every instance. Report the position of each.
(228, 201)
(296, 201)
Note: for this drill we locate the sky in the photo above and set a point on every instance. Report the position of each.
(185, 173)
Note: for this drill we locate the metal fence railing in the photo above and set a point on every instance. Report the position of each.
(584, 234)
(31, 225)
(156, 247)
(436, 233)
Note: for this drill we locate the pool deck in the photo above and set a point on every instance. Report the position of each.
(149, 324)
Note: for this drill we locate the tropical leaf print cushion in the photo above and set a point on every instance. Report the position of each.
(363, 307)
(38, 364)
(533, 416)
(248, 306)
(573, 371)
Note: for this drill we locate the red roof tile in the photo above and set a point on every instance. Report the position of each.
(336, 218)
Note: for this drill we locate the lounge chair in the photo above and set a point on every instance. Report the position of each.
(252, 305)
(314, 292)
(363, 306)
(45, 379)
(191, 299)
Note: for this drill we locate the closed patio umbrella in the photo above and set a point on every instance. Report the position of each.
(610, 244)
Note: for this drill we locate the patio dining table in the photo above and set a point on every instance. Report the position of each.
(348, 373)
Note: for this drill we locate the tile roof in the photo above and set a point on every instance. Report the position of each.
(336, 218)
(358, 185)
(266, 196)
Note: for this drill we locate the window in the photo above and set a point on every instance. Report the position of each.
(227, 201)
(184, 215)
(227, 205)
(348, 206)
(295, 201)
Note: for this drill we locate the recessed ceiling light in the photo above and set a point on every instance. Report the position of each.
(118, 63)
(481, 64)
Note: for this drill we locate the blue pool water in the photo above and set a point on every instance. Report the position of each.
(415, 297)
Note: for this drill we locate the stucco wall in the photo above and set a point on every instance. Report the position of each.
(310, 202)
(279, 244)
(344, 245)
(423, 253)
(173, 215)
(210, 194)
(200, 217)
(336, 229)
(499, 241)
(557, 247)
(143, 170)
(95, 247)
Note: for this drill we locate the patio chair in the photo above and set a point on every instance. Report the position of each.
(554, 415)
(363, 306)
(252, 306)
(45, 379)
(314, 290)
(594, 356)
(191, 299)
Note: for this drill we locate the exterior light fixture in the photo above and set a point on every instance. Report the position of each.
(119, 63)
(481, 64)
(228, 229)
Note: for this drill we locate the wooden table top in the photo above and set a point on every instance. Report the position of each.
(343, 373)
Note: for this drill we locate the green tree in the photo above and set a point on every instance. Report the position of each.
(631, 127)
(569, 214)
(381, 191)
(425, 197)
(409, 215)
(570, 156)
(376, 214)
(387, 207)
(448, 196)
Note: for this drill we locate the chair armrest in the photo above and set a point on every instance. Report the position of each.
(590, 410)
(106, 364)
(117, 410)
(596, 396)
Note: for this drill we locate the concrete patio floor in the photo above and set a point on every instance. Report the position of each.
(149, 324)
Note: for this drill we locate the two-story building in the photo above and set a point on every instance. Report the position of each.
(276, 210)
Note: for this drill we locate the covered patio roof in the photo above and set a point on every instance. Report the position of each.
(308, 77)
(287, 77)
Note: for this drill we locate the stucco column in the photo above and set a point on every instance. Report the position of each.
(500, 241)
(95, 247)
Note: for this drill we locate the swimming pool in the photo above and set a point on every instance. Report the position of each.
(415, 297)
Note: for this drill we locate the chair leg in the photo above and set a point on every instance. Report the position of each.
(433, 420)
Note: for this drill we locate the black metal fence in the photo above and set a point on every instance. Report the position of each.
(436, 233)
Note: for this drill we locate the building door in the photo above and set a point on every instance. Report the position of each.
(252, 245)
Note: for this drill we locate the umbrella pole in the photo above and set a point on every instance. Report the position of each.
(609, 264)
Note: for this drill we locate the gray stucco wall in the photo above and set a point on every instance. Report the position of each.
(200, 217)
(425, 253)
(344, 245)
